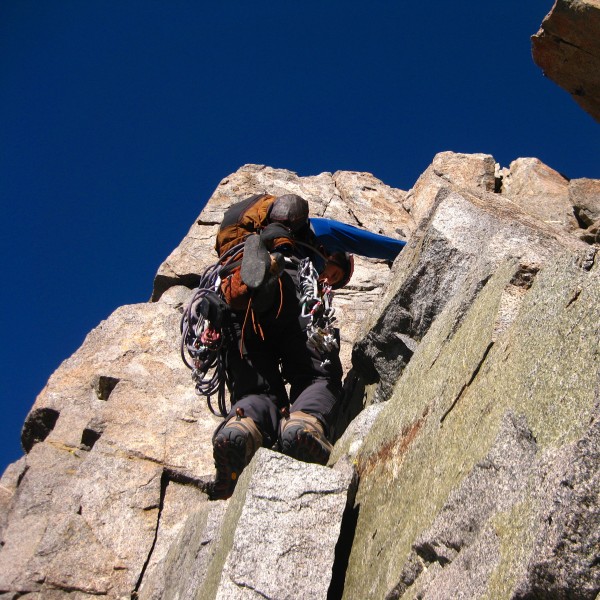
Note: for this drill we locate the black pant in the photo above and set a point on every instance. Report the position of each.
(271, 349)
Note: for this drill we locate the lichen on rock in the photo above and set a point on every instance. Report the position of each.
(471, 365)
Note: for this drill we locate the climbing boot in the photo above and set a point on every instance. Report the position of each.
(256, 262)
(234, 444)
(303, 437)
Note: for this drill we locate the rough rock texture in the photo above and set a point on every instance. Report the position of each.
(124, 424)
(355, 198)
(280, 531)
(476, 358)
(176, 501)
(584, 195)
(463, 476)
(349, 443)
(540, 191)
(466, 171)
(458, 246)
(567, 49)
(182, 571)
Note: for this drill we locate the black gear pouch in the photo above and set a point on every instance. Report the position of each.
(214, 309)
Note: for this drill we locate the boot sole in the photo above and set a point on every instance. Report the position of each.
(303, 445)
(255, 263)
(229, 452)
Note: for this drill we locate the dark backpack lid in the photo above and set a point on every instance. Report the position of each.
(291, 210)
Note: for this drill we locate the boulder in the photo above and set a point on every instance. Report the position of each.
(476, 172)
(541, 192)
(280, 531)
(567, 49)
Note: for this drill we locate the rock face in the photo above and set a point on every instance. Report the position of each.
(467, 478)
(115, 432)
(280, 531)
(471, 467)
(567, 49)
(540, 191)
(355, 198)
(584, 195)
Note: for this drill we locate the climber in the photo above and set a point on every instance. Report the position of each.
(280, 329)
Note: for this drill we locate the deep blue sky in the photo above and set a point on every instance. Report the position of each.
(118, 118)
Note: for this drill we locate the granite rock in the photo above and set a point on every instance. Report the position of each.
(567, 49)
(540, 191)
(473, 476)
(478, 473)
(280, 531)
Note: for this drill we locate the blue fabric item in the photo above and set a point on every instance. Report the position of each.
(339, 237)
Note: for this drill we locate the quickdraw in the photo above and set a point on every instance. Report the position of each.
(316, 304)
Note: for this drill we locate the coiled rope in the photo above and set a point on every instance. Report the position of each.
(201, 342)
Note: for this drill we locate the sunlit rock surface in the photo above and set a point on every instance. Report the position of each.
(472, 370)
(567, 49)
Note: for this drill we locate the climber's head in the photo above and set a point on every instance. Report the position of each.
(338, 269)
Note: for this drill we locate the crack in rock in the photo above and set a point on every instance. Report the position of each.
(469, 383)
(494, 485)
(246, 586)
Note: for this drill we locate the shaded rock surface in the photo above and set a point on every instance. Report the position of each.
(584, 195)
(449, 495)
(567, 49)
(182, 570)
(468, 440)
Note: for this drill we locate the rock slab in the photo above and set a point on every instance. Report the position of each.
(280, 531)
(480, 473)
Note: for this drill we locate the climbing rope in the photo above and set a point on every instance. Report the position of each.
(202, 333)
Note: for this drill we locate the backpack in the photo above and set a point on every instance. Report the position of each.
(242, 219)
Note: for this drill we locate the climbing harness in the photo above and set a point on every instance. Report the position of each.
(316, 305)
(202, 333)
